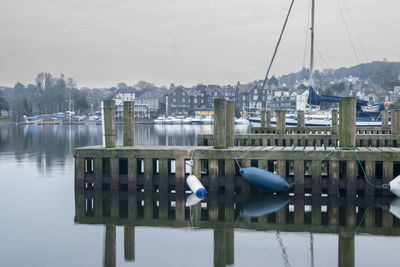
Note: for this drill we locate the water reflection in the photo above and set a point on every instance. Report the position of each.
(50, 145)
(344, 217)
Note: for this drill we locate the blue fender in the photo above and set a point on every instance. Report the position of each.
(264, 206)
(265, 179)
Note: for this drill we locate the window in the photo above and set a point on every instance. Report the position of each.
(183, 100)
(255, 91)
(202, 101)
(195, 100)
(255, 97)
(215, 93)
(244, 97)
(174, 99)
(174, 93)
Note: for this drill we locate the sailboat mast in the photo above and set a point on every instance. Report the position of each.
(312, 43)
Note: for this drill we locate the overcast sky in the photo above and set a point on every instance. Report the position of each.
(103, 42)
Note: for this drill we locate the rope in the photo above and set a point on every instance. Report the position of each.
(277, 45)
(384, 186)
(312, 167)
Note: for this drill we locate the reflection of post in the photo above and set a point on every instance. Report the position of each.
(109, 250)
(230, 246)
(129, 243)
(219, 248)
(346, 249)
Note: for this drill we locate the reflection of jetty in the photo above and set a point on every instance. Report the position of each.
(317, 162)
(221, 212)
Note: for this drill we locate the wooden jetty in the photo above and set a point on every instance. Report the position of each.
(344, 217)
(318, 160)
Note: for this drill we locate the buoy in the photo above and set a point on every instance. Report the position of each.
(193, 199)
(196, 187)
(264, 206)
(265, 179)
(394, 186)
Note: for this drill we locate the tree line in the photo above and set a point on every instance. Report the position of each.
(49, 95)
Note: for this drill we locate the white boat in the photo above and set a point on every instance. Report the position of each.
(159, 120)
(178, 120)
(207, 120)
(241, 120)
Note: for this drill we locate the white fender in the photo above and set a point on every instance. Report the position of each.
(196, 187)
(395, 186)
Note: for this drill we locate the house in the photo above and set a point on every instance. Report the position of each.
(154, 99)
(178, 101)
(125, 94)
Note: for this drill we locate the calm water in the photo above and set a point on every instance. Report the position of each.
(38, 212)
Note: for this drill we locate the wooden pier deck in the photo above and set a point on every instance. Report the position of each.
(315, 163)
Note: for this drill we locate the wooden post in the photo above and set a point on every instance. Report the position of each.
(213, 173)
(334, 121)
(395, 120)
(79, 173)
(180, 174)
(129, 123)
(219, 123)
(280, 121)
(108, 115)
(132, 174)
(114, 171)
(129, 243)
(370, 172)
(230, 123)
(163, 175)
(299, 173)
(333, 177)
(316, 177)
(300, 119)
(148, 174)
(98, 173)
(268, 118)
(385, 119)
(263, 118)
(347, 125)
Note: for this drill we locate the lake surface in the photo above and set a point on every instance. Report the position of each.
(40, 225)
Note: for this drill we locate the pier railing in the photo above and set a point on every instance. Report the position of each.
(311, 139)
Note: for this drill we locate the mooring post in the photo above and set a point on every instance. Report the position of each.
(268, 118)
(346, 249)
(129, 243)
(263, 114)
(385, 119)
(280, 121)
(395, 121)
(230, 123)
(109, 248)
(219, 123)
(108, 115)
(129, 123)
(347, 122)
(334, 124)
(300, 119)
